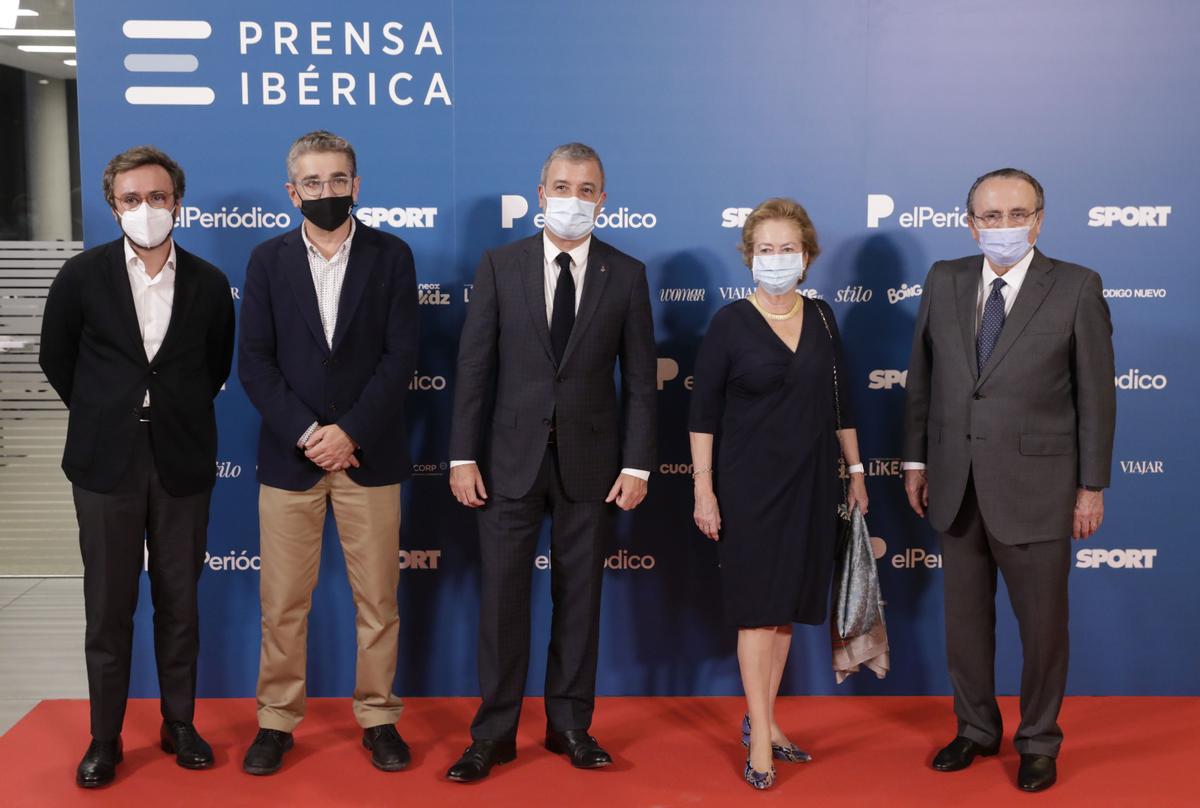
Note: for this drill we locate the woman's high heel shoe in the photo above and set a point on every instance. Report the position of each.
(790, 754)
(758, 780)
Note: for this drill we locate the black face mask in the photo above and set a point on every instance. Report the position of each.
(328, 212)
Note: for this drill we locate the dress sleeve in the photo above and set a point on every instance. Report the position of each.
(711, 374)
(846, 412)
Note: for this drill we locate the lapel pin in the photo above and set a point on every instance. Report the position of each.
(604, 268)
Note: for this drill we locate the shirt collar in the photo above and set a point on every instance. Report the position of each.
(133, 261)
(579, 255)
(312, 248)
(1013, 278)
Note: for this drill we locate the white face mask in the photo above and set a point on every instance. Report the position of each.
(146, 226)
(570, 218)
(778, 274)
(1005, 246)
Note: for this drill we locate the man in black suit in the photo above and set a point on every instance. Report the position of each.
(1008, 444)
(137, 339)
(328, 348)
(550, 317)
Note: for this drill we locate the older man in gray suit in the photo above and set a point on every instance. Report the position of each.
(1008, 444)
(537, 430)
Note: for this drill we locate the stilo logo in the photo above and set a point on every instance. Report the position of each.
(514, 207)
(1134, 379)
(882, 206)
(1129, 216)
(159, 34)
(1090, 559)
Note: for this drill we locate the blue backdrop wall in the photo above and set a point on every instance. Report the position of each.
(876, 115)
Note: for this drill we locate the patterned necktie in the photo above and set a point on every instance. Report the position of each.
(562, 317)
(992, 323)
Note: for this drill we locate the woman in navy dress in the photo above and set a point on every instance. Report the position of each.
(766, 433)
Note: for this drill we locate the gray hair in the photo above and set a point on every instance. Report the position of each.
(575, 153)
(1007, 173)
(320, 141)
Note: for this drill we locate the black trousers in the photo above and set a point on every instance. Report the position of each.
(1036, 577)
(508, 534)
(112, 529)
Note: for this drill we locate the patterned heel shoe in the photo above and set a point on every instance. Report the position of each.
(790, 754)
(760, 781)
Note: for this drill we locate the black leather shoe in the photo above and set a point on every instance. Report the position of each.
(1037, 772)
(265, 755)
(582, 749)
(960, 753)
(99, 764)
(190, 750)
(389, 752)
(479, 758)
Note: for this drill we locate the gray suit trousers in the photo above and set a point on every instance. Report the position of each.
(1036, 577)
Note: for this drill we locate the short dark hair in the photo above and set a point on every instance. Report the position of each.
(137, 157)
(574, 153)
(1007, 173)
(320, 141)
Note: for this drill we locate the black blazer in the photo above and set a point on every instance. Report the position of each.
(93, 355)
(505, 356)
(292, 376)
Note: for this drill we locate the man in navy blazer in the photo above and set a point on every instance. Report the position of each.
(328, 347)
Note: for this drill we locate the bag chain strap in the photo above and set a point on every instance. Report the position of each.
(837, 405)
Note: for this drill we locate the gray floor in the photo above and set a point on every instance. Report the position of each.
(41, 644)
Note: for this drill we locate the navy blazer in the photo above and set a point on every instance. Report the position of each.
(294, 378)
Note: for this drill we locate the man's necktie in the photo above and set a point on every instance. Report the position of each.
(992, 323)
(562, 317)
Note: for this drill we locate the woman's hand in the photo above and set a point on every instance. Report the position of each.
(857, 494)
(708, 515)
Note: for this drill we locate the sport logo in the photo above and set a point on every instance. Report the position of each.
(420, 559)
(886, 379)
(1129, 216)
(735, 217)
(169, 63)
(397, 217)
(882, 206)
(1090, 559)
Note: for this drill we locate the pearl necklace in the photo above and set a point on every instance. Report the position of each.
(776, 317)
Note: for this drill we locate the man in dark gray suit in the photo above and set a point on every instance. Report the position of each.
(1011, 405)
(550, 317)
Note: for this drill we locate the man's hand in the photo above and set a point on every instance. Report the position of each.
(1089, 512)
(331, 449)
(916, 485)
(466, 483)
(628, 492)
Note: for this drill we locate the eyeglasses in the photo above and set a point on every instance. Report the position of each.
(1016, 218)
(157, 199)
(312, 187)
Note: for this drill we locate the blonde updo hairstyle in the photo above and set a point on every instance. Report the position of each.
(787, 210)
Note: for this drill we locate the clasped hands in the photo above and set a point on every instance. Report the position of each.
(331, 448)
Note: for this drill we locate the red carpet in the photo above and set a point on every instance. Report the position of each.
(669, 752)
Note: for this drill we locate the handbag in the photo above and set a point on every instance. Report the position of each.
(856, 623)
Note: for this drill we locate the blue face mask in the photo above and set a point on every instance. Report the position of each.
(778, 274)
(1004, 246)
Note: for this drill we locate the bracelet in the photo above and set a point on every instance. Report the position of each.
(857, 468)
(698, 472)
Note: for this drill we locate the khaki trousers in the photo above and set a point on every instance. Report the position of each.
(290, 527)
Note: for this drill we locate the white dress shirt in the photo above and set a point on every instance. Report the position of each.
(152, 300)
(327, 276)
(1013, 278)
(550, 270)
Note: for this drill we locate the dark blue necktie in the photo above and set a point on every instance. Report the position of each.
(562, 316)
(991, 325)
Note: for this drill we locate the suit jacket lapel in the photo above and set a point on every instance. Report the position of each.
(1033, 291)
(123, 294)
(358, 272)
(966, 288)
(299, 275)
(185, 294)
(595, 278)
(533, 274)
